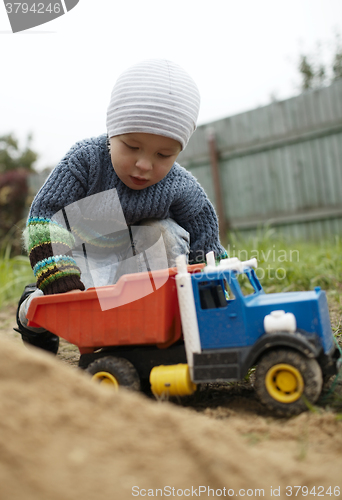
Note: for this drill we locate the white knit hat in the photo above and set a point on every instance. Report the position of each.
(156, 97)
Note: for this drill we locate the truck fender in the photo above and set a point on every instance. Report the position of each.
(309, 346)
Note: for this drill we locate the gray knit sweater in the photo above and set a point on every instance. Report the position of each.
(87, 170)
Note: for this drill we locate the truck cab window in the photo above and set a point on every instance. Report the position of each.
(212, 294)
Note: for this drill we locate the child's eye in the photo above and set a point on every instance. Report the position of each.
(130, 147)
(163, 156)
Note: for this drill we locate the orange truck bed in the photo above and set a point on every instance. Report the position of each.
(140, 309)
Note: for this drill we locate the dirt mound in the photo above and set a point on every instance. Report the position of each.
(62, 437)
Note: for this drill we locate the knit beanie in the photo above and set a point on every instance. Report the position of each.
(155, 97)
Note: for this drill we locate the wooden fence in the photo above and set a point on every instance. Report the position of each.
(278, 165)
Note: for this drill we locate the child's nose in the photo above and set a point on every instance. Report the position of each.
(144, 163)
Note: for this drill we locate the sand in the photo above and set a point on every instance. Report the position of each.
(63, 437)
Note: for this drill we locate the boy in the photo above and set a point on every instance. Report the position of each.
(151, 116)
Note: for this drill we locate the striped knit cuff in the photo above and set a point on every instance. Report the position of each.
(63, 284)
(54, 268)
(43, 239)
(40, 230)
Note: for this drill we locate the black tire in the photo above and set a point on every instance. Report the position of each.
(286, 379)
(121, 369)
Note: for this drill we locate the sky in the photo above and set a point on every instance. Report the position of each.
(56, 79)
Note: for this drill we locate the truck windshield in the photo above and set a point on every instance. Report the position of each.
(218, 294)
(249, 282)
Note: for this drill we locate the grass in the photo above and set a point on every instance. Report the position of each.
(15, 273)
(285, 266)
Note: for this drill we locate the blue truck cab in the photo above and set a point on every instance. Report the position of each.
(237, 320)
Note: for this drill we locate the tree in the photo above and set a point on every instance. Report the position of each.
(311, 77)
(337, 66)
(315, 73)
(12, 157)
(15, 166)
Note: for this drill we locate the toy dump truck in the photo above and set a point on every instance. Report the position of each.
(181, 327)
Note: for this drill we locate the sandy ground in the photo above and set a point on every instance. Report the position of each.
(62, 437)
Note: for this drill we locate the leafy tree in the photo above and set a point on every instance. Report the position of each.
(15, 166)
(311, 77)
(337, 66)
(315, 73)
(12, 157)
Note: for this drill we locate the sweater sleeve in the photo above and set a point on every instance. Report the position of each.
(48, 243)
(195, 213)
(204, 235)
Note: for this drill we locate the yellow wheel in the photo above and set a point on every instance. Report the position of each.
(285, 380)
(115, 373)
(107, 379)
(284, 383)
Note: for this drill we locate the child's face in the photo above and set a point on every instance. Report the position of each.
(141, 160)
